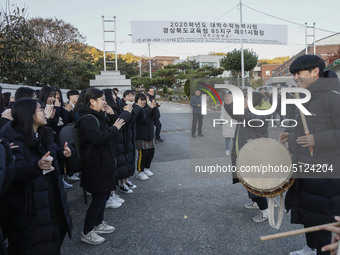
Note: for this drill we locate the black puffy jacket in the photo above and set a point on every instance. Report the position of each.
(145, 124)
(36, 202)
(97, 149)
(130, 134)
(316, 201)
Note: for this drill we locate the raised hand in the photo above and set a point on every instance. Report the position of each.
(67, 151)
(108, 109)
(57, 102)
(119, 123)
(128, 108)
(45, 163)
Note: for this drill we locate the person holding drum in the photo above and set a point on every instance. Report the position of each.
(243, 134)
(315, 201)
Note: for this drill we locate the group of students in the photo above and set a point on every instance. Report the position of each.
(312, 201)
(33, 206)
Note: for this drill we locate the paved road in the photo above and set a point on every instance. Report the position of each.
(178, 211)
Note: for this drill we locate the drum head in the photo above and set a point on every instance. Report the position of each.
(264, 167)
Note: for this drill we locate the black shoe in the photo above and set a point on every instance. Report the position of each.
(193, 136)
(200, 135)
(159, 140)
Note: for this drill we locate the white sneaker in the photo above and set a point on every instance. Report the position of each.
(252, 205)
(92, 238)
(104, 228)
(112, 204)
(147, 172)
(227, 153)
(141, 176)
(73, 178)
(117, 198)
(130, 185)
(305, 251)
(260, 218)
(125, 189)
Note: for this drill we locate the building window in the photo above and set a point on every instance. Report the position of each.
(267, 72)
(213, 64)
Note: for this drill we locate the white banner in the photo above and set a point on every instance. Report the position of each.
(206, 32)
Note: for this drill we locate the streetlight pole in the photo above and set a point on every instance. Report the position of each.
(242, 52)
(150, 61)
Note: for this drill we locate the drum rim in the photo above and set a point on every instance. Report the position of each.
(266, 192)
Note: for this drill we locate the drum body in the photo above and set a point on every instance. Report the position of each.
(264, 167)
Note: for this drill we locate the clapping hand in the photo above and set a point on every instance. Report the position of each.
(119, 123)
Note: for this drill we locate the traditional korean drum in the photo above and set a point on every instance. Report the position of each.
(264, 169)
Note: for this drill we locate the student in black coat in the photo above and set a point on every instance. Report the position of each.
(315, 201)
(38, 211)
(98, 158)
(156, 122)
(128, 101)
(145, 135)
(6, 170)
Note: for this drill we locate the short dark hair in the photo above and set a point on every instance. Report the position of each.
(151, 88)
(127, 92)
(72, 92)
(307, 62)
(24, 92)
(116, 89)
(140, 96)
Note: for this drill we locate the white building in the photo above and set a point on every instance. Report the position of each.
(210, 60)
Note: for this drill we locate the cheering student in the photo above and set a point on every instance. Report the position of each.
(38, 211)
(96, 140)
(315, 201)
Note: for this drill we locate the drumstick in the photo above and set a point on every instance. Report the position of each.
(297, 232)
(305, 127)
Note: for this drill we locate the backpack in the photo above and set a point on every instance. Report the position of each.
(70, 134)
(76, 133)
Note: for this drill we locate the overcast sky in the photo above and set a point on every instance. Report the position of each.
(86, 16)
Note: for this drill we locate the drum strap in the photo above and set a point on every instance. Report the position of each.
(271, 210)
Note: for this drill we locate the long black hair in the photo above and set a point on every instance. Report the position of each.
(2, 108)
(57, 89)
(45, 92)
(22, 113)
(109, 99)
(79, 104)
(92, 94)
(6, 99)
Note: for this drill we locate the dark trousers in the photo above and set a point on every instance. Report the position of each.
(157, 123)
(95, 212)
(318, 239)
(144, 158)
(197, 120)
(261, 201)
